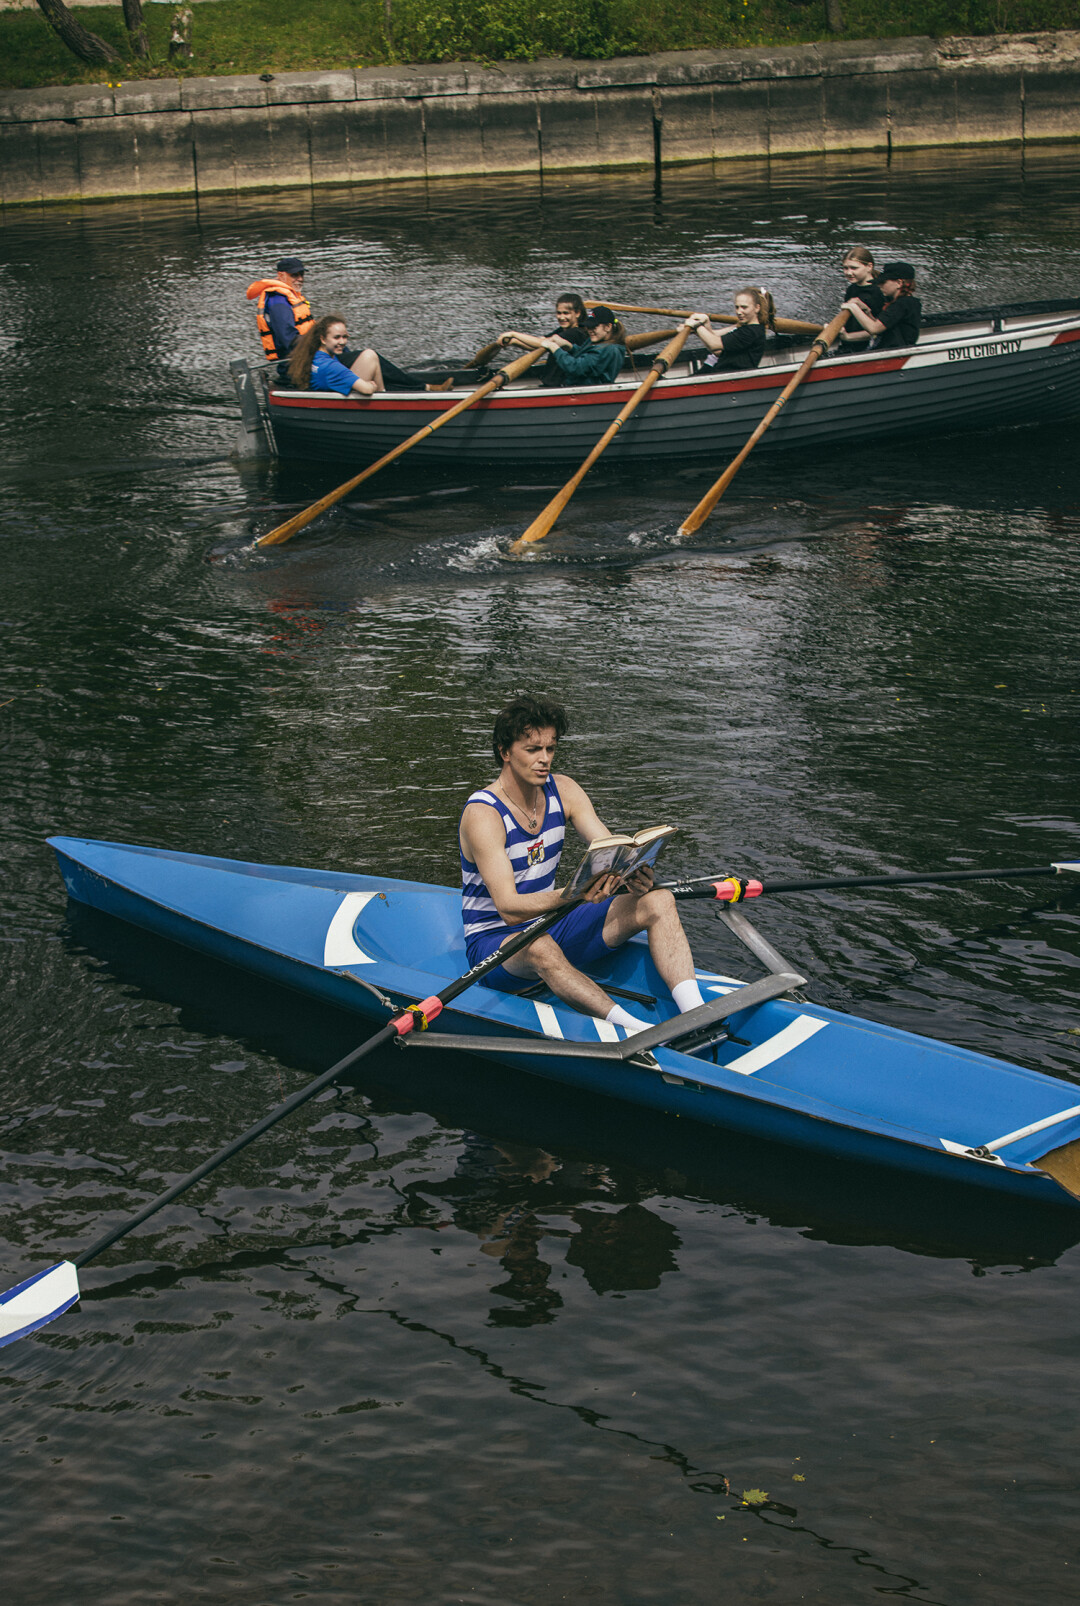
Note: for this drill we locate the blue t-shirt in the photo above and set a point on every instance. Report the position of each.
(329, 374)
(592, 364)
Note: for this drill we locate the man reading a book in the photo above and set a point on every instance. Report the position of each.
(511, 839)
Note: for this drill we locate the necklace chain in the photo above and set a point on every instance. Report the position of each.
(521, 806)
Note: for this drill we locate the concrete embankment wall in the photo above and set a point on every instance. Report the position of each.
(214, 135)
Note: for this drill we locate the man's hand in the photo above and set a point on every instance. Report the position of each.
(605, 886)
(641, 881)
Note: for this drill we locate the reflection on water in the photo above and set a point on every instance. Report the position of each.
(456, 1333)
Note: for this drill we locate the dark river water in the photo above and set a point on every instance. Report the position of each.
(456, 1335)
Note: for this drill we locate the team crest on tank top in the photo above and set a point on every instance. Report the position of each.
(536, 852)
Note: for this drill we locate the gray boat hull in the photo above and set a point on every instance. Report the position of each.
(974, 375)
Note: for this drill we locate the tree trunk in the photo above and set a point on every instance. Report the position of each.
(133, 22)
(87, 46)
(834, 16)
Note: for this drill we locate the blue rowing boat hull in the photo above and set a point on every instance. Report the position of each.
(799, 1074)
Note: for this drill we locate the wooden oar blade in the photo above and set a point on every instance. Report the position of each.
(545, 521)
(285, 532)
(37, 1301)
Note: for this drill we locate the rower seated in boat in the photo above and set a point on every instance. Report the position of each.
(317, 362)
(862, 281)
(740, 347)
(511, 839)
(900, 319)
(571, 317)
(599, 362)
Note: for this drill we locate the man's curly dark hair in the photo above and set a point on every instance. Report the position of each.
(526, 713)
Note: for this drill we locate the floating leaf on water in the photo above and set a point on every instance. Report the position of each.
(754, 1497)
(797, 1477)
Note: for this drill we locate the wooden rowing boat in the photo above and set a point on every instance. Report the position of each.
(971, 370)
(757, 1059)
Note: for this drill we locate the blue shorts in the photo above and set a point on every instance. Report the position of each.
(580, 935)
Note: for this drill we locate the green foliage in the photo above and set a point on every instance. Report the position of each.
(252, 36)
(754, 1497)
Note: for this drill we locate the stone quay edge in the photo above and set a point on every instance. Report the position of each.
(216, 135)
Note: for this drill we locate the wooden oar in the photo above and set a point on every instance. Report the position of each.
(697, 518)
(544, 521)
(732, 889)
(787, 326)
(484, 355)
(43, 1297)
(285, 532)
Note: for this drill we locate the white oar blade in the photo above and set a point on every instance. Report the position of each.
(37, 1301)
(1069, 866)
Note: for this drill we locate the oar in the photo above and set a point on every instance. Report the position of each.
(787, 326)
(484, 355)
(544, 521)
(733, 889)
(697, 518)
(43, 1297)
(285, 532)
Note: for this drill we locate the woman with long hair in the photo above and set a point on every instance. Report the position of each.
(571, 317)
(598, 363)
(900, 318)
(861, 275)
(316, 361)
(744, 345)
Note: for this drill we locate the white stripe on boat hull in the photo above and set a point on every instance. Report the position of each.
(755, 1059)
(340, 946)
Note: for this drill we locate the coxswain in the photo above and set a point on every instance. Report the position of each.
(861, 275)
(740, 347)
(571, 316)
(900, 319)
(511, 839)
(282, 312)
(598, 363)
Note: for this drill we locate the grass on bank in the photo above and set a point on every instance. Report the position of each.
(253, 36)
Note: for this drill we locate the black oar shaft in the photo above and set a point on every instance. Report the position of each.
(908, 880)
(271, 1118)
(401, 1024)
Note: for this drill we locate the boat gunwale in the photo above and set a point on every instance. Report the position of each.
(673, 387)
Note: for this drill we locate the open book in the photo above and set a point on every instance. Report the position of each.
(618, 855)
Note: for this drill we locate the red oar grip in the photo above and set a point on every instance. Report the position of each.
(418, 1016)
(733, 889)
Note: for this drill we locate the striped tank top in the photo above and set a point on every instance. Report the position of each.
(534, 857)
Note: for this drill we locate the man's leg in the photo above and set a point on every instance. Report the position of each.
(656, 913)
(545, 961)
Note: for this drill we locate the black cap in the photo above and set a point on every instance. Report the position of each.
(896, 270)
(600, 315)
(291, 265)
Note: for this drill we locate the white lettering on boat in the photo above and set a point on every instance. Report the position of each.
(774, 1048)
(993, 348)
(340, 945)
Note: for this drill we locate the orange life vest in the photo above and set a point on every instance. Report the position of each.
(301, 312)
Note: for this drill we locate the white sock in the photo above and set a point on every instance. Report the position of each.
(619, 1016)
(687, 995)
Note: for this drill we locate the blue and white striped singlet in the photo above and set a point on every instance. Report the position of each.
(534, 857)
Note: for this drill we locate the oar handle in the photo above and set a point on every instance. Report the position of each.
(787, 326)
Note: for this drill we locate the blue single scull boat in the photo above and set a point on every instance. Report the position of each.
(756, 1059)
